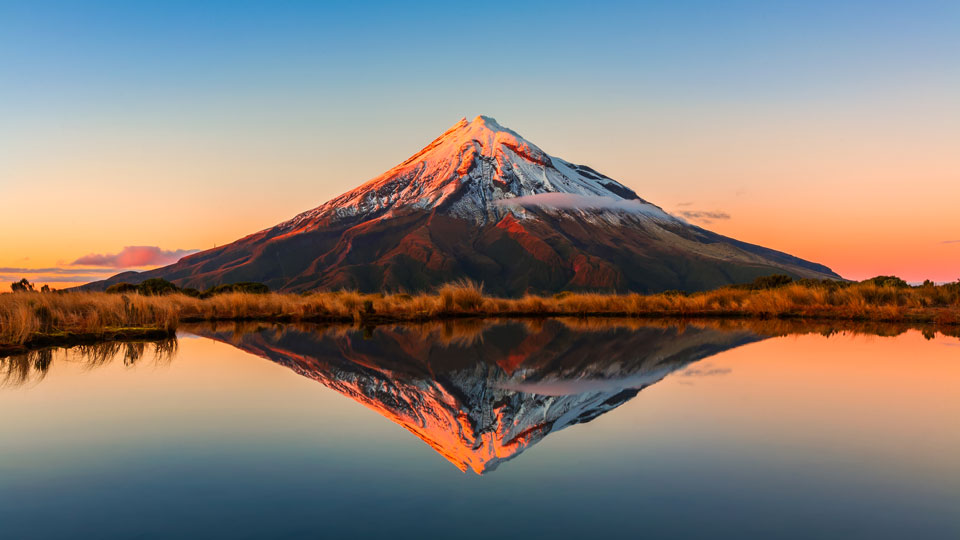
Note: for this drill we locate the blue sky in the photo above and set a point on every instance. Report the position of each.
(96, 57)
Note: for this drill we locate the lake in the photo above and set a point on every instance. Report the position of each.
(468, 429)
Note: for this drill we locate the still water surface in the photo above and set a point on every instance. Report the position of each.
(556, 429)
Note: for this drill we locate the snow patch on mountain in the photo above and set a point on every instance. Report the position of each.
(467, 170)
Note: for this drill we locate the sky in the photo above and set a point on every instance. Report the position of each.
(134, 132)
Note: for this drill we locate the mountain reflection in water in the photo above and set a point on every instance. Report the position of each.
(200, 438)
(478, 392)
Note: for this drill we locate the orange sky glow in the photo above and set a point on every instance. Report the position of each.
(883, 207)
(805, 128)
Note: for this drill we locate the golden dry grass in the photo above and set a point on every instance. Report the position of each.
(24, 316)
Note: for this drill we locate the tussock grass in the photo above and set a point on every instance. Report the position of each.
(26, 316)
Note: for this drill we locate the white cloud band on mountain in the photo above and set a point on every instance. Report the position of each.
(573, 201)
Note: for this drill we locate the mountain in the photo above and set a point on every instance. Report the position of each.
(484, 203)
(480, 394)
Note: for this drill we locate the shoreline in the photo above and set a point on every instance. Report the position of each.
(921, 321)
(72, 339)
(30, 320)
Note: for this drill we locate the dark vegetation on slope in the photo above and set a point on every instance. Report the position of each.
(417, 251)
(160, 286)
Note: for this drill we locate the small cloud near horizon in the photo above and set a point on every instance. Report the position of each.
(703, 216)
(950, 242)
(56, 270)
(705, 371)
(56, 278)
(134, 256)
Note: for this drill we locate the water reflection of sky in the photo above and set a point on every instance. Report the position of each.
(794, 436)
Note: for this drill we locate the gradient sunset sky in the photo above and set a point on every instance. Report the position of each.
(829, 130)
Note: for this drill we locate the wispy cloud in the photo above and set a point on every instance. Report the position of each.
(134, 256)
(703, 216)
(103, 266)
(53, 278)
(54, 274)
(72, 271)
(950, 242)
(706, 371)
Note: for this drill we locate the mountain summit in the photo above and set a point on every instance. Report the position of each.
(482, 202)
(472, 171)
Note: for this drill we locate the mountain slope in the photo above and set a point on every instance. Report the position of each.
(482, 202)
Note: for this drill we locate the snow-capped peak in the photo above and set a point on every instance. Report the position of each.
(472, 171)
(485, 130)
(482, 136)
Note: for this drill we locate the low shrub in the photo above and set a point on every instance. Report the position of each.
(241, 287)
(21, 286)
(156, 287)
(887, 281)
(773, 281)
(122, 288)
